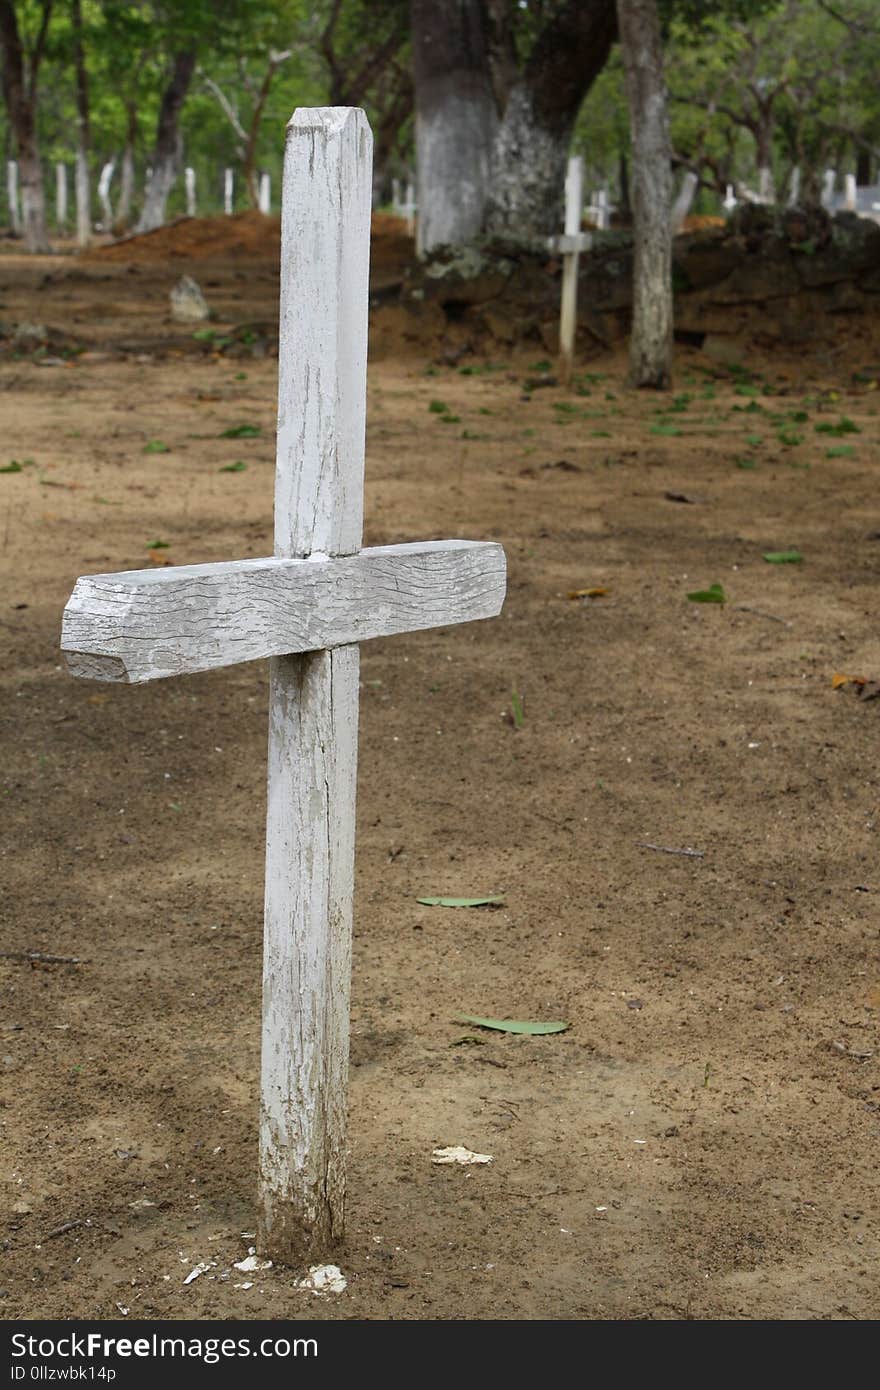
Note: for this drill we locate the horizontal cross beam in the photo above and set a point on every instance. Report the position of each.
(141, 625)
(567, 245)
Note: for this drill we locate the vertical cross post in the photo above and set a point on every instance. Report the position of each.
(227, 191)
(61, 196)
(570, 246)
(265, 194)
(189, 179)
(325, 238)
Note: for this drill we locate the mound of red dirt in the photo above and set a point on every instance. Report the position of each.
(246, 234)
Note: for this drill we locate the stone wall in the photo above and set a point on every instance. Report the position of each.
(770, 276)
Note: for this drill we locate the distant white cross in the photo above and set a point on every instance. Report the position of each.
(569, 246)
(306, 609)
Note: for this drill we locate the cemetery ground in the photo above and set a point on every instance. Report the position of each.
(701, 1142)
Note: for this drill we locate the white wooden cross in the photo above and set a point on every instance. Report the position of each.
(189, 181)
(569, 246)
(306, 609)
(61, 196)
(228, 188)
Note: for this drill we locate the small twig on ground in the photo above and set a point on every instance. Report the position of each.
(666, 849)
(40, 957)
(759, 613)
(62, 1230)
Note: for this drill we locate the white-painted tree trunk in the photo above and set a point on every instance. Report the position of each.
(228, 191)
(265, 203)
(12, 197)
(160, 183)
(794, 187)
(104, 194)
(828, 185)
(83, 195)
(61, 196)
(453, 150)
(850, 193)
(766, 188)
(684, 201)
(528, 171)
(126, 188)
(189, 179)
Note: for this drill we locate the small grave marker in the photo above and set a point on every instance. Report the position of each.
(265, 194)
(189, 182)
(228, 187)
(306, 609)
(61, 196)
(569, 246)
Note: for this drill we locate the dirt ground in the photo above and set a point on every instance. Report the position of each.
(702, 1141)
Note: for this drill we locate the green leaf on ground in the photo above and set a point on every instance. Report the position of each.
(13, 466)
(839, 451)
(438, 407)
(665, 429)
(157, 446)
(512, 1025)
(241, 432)
(839, 427)
(158, 545)
(238, 467)
(745, 463)
(714, 594)
(782, 557)
(462, 902)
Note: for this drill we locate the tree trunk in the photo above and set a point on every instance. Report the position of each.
(83, 194)
(642, 51)
(81, 182)
(863, 168)
(625, 207)
(126, 177)
(167, 153)
(20, 94)
(531, 145)
(456, 120)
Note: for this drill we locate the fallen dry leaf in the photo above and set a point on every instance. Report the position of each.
(867, 689)
(587, 593)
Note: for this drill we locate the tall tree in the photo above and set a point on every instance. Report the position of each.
(641, 46)
(498, 89)
(540, 79)
(81, 181)
(21, 68)
(168, 149)
(456, 119)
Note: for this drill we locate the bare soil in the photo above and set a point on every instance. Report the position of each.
(701, 1143)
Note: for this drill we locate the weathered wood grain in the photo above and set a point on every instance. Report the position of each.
(313, 700)
(146, 624)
